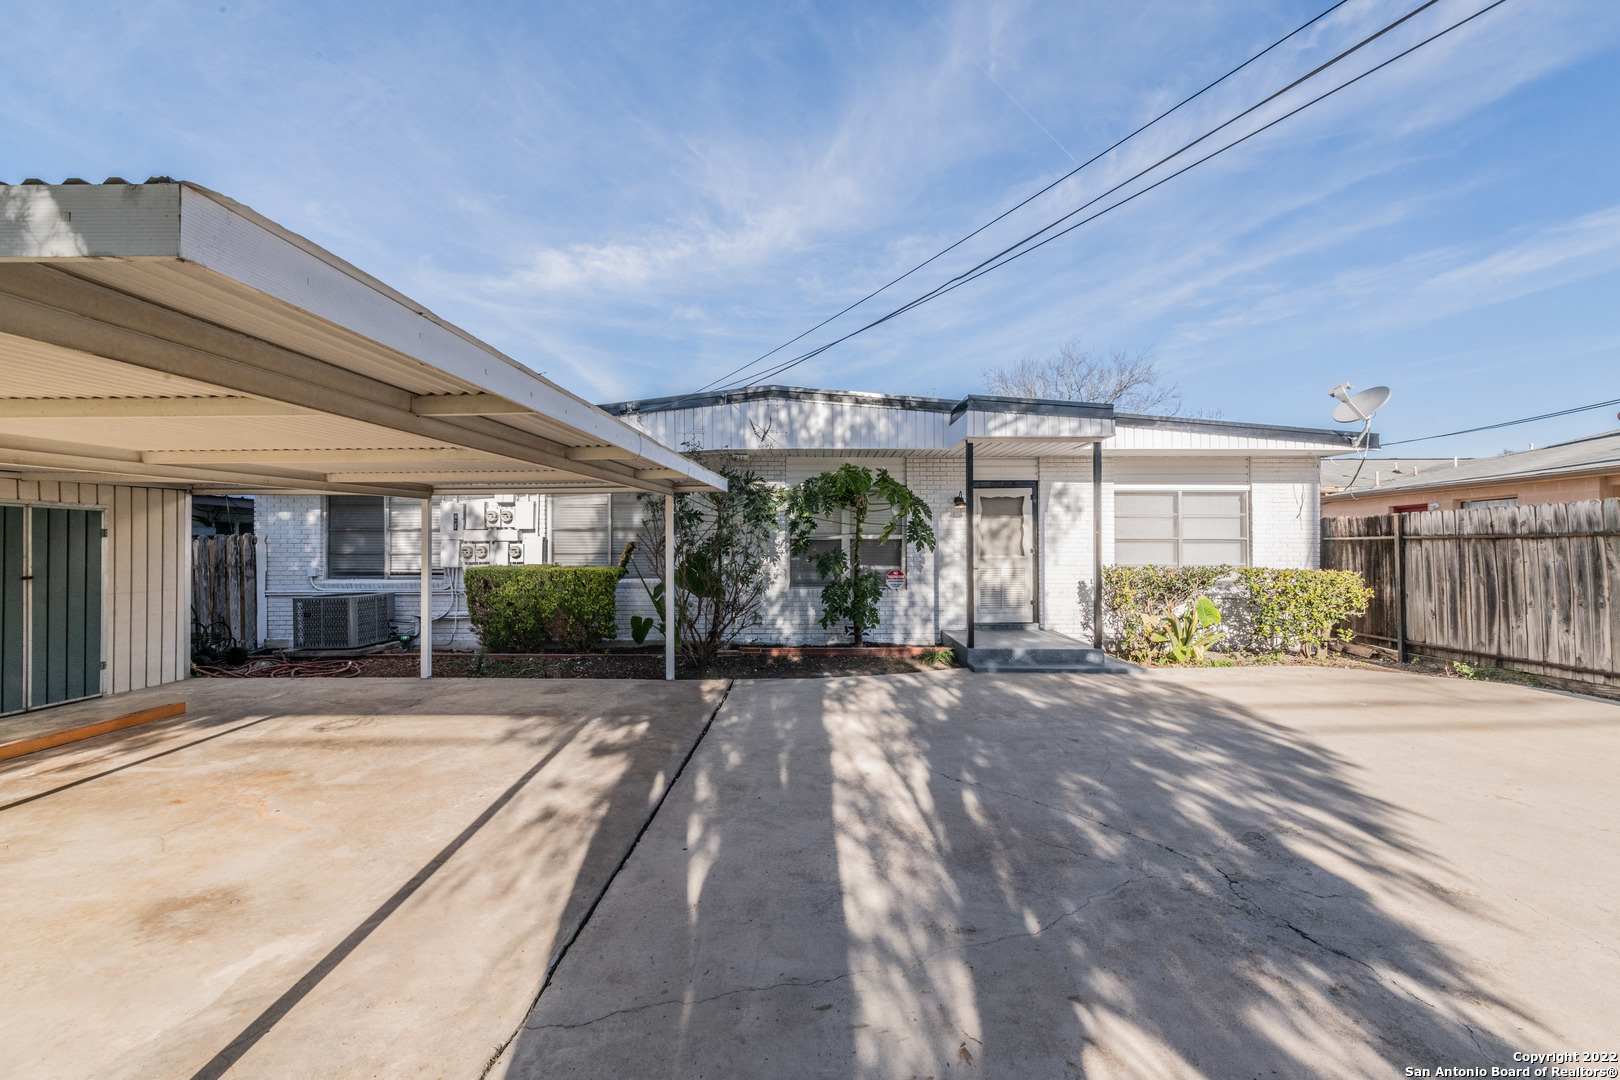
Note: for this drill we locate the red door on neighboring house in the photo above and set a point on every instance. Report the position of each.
(1414, 508)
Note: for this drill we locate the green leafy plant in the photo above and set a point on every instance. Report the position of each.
(642, 625)
(1466, 671)
(850, 595)
(939, 656)
(725, 545)
(523, 608)
(1136, 597)
(1300, 608)
(1187, 636)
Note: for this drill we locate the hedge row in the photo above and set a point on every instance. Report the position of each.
(1262, 607)
(523, 608)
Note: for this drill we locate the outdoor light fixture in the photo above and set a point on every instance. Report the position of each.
(959, 502)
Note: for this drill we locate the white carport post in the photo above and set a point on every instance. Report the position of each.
(669, 586)
(424, 634)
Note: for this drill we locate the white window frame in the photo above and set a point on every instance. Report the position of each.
(1246, 490)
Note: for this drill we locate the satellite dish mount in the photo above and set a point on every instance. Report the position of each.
(1362, 407)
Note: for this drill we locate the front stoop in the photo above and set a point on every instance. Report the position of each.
(1033, 650)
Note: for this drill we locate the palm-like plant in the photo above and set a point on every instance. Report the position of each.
(1189, 635)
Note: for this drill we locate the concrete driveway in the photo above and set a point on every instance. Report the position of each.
(318, 878)
(1221, 873)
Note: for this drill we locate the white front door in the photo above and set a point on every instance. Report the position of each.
(1004, 555)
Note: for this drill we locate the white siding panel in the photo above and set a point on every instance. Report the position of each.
(146, 606)
(90, 219)
(1180, 469)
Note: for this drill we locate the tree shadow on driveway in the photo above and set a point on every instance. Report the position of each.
(1025, 876)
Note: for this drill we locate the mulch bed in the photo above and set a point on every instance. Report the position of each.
(640, 663)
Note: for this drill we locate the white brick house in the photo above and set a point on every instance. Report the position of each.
(1170, 490)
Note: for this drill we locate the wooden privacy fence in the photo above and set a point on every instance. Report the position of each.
(1535, 588)
(224, 591)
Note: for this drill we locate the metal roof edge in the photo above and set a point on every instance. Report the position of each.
(779, 393)
(1031, 407)
(1327, 436)
(628, 436)
(1584, 468)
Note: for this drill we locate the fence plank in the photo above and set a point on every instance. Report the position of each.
(1532, 585)
(224, 595)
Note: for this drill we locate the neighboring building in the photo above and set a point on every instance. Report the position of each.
(1571, 471)
(1356, 474)
(221, 515)
(1174, 491)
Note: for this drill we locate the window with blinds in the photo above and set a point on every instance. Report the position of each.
(368, 536)
(1181, 528)
(839, 533)
(628, 512)
(591, 530)
(581, 532)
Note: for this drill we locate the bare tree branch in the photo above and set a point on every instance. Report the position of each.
(1129, 382)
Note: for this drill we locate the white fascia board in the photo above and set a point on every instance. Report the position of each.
(974, 424)
(76, 221)
(229, 239)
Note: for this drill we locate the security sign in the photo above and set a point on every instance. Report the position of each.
(895, 579)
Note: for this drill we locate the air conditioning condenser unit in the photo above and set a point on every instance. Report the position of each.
(345, 621)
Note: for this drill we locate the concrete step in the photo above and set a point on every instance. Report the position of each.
(1034, 652)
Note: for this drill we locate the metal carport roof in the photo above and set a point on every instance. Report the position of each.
(161, 333)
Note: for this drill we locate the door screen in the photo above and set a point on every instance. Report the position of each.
(1004, 558)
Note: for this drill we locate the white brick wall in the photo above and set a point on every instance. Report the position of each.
(1283, 529)
(295, 530)
(1066, 545)
(1285, 512)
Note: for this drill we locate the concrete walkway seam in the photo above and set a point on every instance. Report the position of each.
(556, 961)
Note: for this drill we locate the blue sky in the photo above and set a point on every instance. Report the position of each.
(636, 198)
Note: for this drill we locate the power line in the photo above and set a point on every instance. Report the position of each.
(1025, 202)
(1011, 253)
(1510, 423)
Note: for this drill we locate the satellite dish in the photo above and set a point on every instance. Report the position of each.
(1360, 406)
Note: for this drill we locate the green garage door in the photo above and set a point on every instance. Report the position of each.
(50, 606)
(11, 608)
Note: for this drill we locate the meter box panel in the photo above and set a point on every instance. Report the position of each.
(529, 550)
(478, 516)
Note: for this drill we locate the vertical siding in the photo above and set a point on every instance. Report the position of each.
(146, 609)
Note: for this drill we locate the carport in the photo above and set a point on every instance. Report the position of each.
(160, 340)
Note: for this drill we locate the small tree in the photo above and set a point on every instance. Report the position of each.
(725, 544)
(851, 594)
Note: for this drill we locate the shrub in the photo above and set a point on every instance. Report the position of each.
(726, 543)
(1299, 608)
(521, 608)
(1132, 594)
(1265, 608)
